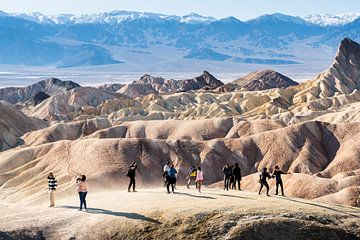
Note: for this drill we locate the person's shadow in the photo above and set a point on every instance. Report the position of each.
(117, 214)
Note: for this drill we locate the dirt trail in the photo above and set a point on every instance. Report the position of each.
(153, 214)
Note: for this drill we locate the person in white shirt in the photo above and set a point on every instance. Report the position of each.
(165, 171)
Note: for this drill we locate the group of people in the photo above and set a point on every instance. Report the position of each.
(232, 179)
(232, 176)
(170, 177)
(264, 175)
(81, 187)
(195, 175)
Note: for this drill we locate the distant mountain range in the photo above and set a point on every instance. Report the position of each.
(132, 37)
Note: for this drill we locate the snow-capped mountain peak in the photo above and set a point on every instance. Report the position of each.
(113, 17)
(196, 18)
(332, 20)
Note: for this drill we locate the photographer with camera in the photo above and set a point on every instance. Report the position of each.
(131, 174)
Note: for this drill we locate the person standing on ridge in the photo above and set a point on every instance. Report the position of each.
(199, 178)
(237, 176)
(52, 184)
(277, 175)
(82, 190)
(191, 176)
(263, 177)
(131, 175)
(171, 178)
(227, 175)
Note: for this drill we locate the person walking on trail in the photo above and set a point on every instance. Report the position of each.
(82, 190)
(191, 177)
(227, 175)
(277, 175)
(52, 184)
(131, 175)
(171, 178)
(263, 181)
(237, 176)
(165, 171)
(199, 178)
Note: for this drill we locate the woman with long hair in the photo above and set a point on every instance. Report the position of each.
(82, 190)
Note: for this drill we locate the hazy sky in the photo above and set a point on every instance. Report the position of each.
(242, 9)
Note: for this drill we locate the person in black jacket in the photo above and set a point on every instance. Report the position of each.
(263, 177)
(237, 176)
(131, 174)
(277, 175)
(227, 171)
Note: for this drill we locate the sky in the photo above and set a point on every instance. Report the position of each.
(242, 9)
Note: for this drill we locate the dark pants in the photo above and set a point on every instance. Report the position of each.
(237, 180)
(227, 182)
(82, 196)
(172, 187)
(266, 185)
(170, 181)
(277, 187)
(132, 183)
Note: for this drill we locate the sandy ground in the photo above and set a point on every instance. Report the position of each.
(187, 214)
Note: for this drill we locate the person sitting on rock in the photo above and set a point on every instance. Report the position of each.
(227, 175)
(263, 181)
(199, 178)
(191, 176)
(277, 175)
(131, 175)
(237, 176)
(171, 178)
(52, 184)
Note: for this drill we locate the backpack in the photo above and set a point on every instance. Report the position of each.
(128, 173)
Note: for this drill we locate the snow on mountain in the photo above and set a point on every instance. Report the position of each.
(196, 18)
(332, 20)
(113, 17)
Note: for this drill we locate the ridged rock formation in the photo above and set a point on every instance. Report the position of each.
(14, 124)
(263, 80)
(50, 87)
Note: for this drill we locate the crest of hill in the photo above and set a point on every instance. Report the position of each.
(148, 84)
(49, 86)
(263, 80)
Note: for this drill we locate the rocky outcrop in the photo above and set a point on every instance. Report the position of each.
(38, 98)
(14, 124)
(113, 87)
(158, 85)
(263, 80)
(71, 104)
(50, 87)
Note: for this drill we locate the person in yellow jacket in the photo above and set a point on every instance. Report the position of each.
(191, 177)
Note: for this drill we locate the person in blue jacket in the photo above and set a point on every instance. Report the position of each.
(171, 178)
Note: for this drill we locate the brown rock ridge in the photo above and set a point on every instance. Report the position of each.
(50, 87)
(14, 124)
(158, 85)
(263, 80)
(321, 153)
